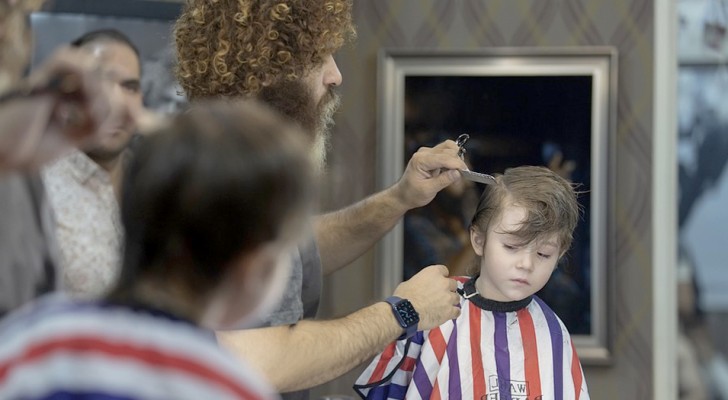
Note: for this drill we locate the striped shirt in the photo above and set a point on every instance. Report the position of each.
(64, 349)
(492, 351)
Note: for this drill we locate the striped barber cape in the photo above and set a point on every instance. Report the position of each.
(71, 349)
(493, 351)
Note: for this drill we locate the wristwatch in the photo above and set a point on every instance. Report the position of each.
(405, 314)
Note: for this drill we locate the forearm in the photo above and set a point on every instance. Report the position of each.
(342, 236)
(310, 353)
(23, 130)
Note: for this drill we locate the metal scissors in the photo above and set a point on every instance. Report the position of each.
(468, 174)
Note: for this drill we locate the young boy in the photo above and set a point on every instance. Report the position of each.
(211, 204)
(506, 343)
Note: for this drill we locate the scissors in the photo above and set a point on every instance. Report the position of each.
(468, 174)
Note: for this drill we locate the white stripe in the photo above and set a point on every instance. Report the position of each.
(129, 328)
(109, 376)
(404, 377)
(487, 329)
(545, 350)
(465, 353)
(517, 356)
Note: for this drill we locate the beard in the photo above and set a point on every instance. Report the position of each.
(295, 101)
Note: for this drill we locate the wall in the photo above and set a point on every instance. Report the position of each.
(469, 24)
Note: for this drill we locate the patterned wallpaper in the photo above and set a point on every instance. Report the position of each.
(471, 24)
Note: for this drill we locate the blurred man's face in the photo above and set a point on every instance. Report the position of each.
(311, 102)
(121, 67)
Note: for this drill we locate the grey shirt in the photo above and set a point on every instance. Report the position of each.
(302, 296)
(28, 249)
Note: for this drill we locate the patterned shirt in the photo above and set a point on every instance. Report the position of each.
(67, 349)
(88, 224)
(492, 351)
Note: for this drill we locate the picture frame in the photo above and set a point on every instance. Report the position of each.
(519, 106)
(147, 23)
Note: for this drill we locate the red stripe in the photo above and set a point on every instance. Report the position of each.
(461, 279)
(408, 364)
(479, 390)
(383, 362)
(437, 341)
(435, 395)
(152, 357)
(576, 372)
(530, 353)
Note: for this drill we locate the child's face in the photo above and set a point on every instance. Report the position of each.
(510, 271)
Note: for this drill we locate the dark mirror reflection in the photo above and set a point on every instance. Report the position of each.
(511, 120)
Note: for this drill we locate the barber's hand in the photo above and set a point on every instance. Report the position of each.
(70, 100)
(433, 296)
(429, 171)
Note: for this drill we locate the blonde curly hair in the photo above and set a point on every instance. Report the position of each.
(230, 48)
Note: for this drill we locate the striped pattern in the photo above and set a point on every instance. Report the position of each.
(482, 354)
(66, 349)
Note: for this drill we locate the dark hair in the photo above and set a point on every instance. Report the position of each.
(109, 34)
(550, 202)
(220, 180)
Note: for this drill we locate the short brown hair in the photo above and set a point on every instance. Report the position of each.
(220, 180)
(229, 48)
(550, 202)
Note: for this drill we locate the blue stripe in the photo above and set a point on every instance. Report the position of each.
(421, 380)
(68, 395)
(557, 344)
(454, 389)
(391, 391)
(502, 355)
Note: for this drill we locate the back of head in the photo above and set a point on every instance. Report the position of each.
(549, 200)
(218, 181)
(229, 48)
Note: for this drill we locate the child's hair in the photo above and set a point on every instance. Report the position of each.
(549, 200)
(219, 180)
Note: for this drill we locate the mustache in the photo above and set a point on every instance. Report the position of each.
(329, 104)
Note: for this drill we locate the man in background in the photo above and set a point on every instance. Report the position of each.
(83, 186)
(63, 103)
(282, 52)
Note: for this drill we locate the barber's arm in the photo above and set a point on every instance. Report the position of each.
(342, 236)
(309, 353)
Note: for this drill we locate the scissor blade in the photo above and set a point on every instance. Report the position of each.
(478, 177)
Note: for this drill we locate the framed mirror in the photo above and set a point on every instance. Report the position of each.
(521, 106)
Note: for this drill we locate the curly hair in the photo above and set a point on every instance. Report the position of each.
(230, 48)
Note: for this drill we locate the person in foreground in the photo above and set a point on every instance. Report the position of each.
(282, 53)
(506, 343)
(211, 205)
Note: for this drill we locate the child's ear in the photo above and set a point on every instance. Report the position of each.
(477, 240)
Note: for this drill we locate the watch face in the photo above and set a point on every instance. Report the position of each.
(407, 314)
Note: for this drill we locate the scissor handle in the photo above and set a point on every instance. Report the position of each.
(460, 142)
